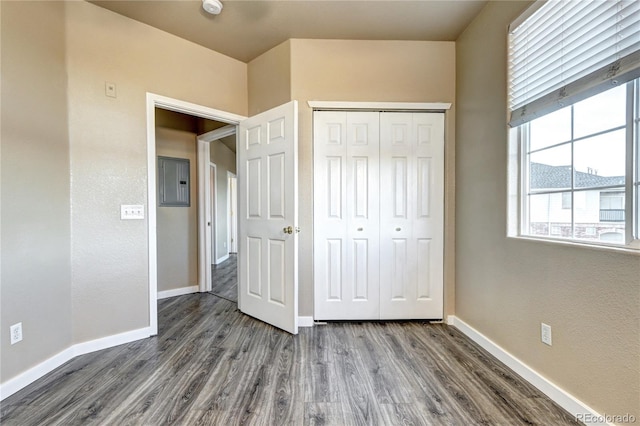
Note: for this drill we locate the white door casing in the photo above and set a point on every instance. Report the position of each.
(212, 218)
(267, 212)
(412, 216)
(346, 218)
(205, 237)
(232, 214)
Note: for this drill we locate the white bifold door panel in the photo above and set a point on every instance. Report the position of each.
(346, 215)
(378, 215)
(268, 217)
(412, 216)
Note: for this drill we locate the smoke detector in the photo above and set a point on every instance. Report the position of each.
(213, 7)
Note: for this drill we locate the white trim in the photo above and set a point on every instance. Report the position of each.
(435, 106)
(220, 133)
(178, 292)
(154, 101)
(24, 379)
(152, 237)
(558, 395)
(204, 214)
(230, 225)
(13, 385)
(212, 201)
(222, 259)
(110, 341)
(305, 321)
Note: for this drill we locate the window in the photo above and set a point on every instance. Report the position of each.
(574, 145)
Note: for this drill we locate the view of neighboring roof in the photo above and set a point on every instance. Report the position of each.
(544, 176)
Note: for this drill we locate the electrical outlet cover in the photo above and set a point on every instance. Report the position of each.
(545, 333)
(16, 333)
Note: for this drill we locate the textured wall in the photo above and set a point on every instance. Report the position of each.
(506, 287)
(36, 254)
(393, 71)
(177, 227)
(108, 151)
(269, 79)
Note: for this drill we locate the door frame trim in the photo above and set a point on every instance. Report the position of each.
(379, 106)
(213, 203)
(230, 176)
(154, 101)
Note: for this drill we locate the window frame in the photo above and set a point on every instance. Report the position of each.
(518, 182)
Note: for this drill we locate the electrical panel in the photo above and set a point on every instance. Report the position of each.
(173, 182)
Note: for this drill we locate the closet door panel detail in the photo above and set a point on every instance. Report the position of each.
(378, 215)
(346, 210)
(411, 280)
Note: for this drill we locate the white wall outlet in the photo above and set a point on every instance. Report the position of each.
(131, 211)
(16, 333)
(110, 89)
(545, 333)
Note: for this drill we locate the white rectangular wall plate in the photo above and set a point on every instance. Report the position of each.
(131, 211)
(16, 333)
(545, 333)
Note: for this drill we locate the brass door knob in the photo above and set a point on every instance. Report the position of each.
(288, 229)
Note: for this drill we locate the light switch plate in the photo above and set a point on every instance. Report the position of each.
(131, 211)
(110, 89)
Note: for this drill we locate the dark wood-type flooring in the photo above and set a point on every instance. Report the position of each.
(224, 279)
(212, 365)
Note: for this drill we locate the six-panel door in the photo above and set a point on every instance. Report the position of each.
(412, 219)
(268, 217)
(346, 215)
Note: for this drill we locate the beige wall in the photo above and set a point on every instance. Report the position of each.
(108, 151)
(270, 79)
(177, 227)
(73, 271)
(506, 287)
(225, 161)
(36, 235)
(394, 71)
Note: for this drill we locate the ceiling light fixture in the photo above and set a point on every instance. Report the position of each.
(213, 7)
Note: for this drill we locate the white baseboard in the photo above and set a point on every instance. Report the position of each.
(222, 259)
(111, 341)
(13, 385)
(305, 321)
(178, 292)
(577, 408)
(22, 380)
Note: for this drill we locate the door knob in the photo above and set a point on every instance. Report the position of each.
(288, 229)
(398, 229)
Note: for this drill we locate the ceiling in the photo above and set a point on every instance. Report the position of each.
(247, 28)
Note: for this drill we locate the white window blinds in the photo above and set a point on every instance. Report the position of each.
(567, 50)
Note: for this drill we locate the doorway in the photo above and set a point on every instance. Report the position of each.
(204, 242)
(267, 273)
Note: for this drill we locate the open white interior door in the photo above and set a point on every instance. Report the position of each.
(268, 216)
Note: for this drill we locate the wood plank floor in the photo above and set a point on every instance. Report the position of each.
(224, 279)
(212, 365)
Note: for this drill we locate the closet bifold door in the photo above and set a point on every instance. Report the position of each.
(346, 215)
(412, 215)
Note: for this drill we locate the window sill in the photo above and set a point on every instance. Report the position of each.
(632, 249)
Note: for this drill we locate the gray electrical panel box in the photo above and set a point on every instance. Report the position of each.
(173, 182)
